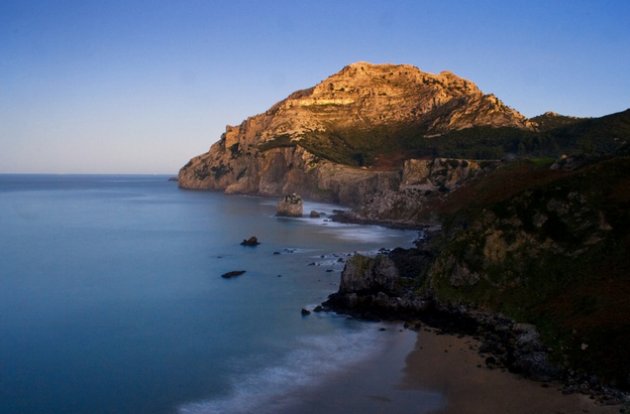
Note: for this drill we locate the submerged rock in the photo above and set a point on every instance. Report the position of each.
(290, 205)
(232, 274)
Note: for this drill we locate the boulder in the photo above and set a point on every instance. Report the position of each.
(252, 241)
(290, 205)
(362, 274)
(314, 214)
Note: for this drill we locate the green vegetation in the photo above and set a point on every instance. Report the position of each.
(279, 141)
(561, 242)
(386, 146)
(550, 120)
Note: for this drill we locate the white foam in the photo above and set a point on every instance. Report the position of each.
(315, 359)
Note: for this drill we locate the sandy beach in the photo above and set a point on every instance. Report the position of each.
(373, 386)
(451, 366)
(428, 372)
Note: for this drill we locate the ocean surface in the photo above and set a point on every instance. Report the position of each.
(111, 299)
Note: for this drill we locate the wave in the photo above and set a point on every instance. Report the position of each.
(273, 388)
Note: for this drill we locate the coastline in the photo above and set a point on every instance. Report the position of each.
(427, 371)
(439, 365)
(451, 365)
(372, 386)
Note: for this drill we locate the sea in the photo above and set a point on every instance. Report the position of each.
(112, 301)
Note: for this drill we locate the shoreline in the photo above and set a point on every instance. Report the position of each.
(374, 293)
(452, 365)
(371, 386)
(430, 372)
(496, 343)
(454, 322)
(346, 216)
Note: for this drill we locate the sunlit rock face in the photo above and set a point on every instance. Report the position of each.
(267, 153)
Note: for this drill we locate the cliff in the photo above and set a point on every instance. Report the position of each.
(343, 140)
(380, 137)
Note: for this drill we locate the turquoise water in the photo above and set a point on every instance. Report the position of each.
(111, 299)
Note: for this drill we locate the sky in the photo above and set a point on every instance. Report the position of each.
(143, 86)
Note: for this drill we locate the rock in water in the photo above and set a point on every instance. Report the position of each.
(315, 214)
(232, 274)
(290, 205)
(252, 241)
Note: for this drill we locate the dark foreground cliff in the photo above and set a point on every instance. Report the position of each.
(546, 246)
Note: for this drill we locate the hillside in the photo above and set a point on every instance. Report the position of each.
(553, 251)
(389, 145)
(364, 115)
(540, 244)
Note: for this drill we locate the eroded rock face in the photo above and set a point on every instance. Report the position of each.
(381, 286)
(264, 155)
(363, 274)
(421, 180)
(290, 205)
(284, 170)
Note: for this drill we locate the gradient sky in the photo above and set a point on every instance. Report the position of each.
(142, 86)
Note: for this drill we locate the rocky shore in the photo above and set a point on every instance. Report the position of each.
(386, 287)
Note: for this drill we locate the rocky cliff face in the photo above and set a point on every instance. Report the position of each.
(283, 150)
(422, 183)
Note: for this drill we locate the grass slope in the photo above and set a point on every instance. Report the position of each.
(387, 146)
(551, 248)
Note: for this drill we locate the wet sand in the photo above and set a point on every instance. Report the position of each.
(372, 386)
(450, 365)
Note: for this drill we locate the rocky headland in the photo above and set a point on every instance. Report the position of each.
(338, 141)
(531, 252)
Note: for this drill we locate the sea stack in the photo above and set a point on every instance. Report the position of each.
(290, 206)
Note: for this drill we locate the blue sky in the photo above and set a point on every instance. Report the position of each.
(142, 86)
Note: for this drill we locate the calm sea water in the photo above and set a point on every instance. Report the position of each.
(111, 299)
